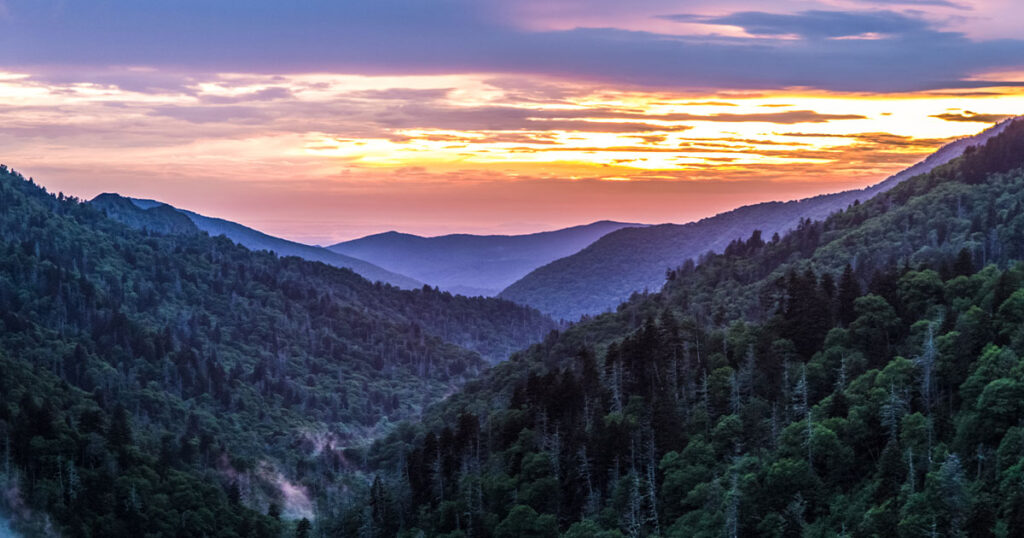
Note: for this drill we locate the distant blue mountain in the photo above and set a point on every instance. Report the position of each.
(473, 264)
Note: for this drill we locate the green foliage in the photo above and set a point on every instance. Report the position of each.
(178, 385)
(524, 522)
(860, 376)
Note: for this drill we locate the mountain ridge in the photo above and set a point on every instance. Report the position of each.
(159, 217)
(473, 264)
(393, 233)
(624, 262)
(257, 240)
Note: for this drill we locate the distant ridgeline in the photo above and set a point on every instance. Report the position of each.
(631, 260)
(160, 382)
(473, 264)
(860, 376)
(159, 217)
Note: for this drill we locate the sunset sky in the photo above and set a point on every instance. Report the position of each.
(326, 120)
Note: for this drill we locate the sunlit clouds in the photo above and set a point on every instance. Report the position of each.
(345, 133)
(324, 120)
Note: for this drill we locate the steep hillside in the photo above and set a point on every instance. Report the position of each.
(473, 264)
(182, 385)
(860, 376)
(256, 240)
(607, 272)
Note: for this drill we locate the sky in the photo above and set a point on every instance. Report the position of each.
(321, 120)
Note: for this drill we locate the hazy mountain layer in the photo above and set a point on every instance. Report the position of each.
(473, 264)
(607, 272)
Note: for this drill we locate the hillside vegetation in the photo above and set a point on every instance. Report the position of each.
(860, 376)
(182, 385)
(151, 215)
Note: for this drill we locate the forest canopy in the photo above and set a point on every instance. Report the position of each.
(859, 376)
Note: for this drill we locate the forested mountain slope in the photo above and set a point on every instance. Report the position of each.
(159, 218)
(860, 376)
(182, 385)
(473, 264)
(607, 272)
(248, 237)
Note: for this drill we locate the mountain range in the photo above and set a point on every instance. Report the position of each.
(465, 264)
(473, 264)
(604, 274)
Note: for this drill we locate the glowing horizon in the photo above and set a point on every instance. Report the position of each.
(333, 137)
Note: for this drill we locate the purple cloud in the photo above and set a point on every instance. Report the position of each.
(266, 94)
(462, 36)
(815, 24)
(937, 3)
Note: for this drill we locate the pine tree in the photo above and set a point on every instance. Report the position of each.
(953, 496)
(964, 264)
(893, 410)
(303, 528)
(926, 362)
(847, 293)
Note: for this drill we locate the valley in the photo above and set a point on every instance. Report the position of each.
(512, 269)
(825, 378)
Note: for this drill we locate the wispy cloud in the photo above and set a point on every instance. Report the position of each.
(972, 117)
(815, 24)
(909, 50)
(265, 94)
(937, 3)
(256, 147)
(321, 119)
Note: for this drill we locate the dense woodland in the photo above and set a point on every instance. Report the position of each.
(860, 376)
(181, 385)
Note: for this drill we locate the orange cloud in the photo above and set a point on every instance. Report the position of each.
(322, 157)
